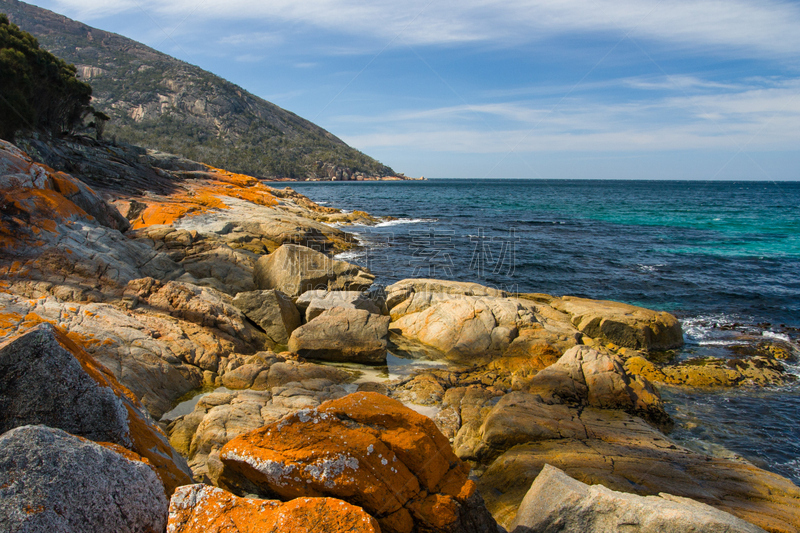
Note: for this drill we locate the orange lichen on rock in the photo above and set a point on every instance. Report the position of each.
(64, 184)
(9, 322)
(25, 213)
(148, 439)
(365, 448)
(165, 213)
(206, 509)
(200, 195)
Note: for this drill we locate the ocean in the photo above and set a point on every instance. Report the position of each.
(724, 257)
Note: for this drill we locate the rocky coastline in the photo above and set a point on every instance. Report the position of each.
(135, 281)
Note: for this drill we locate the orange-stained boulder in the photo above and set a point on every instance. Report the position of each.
(206, 509)
(366, 449)
(45, 378)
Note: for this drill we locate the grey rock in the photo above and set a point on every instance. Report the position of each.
(54, 482)
(345, 335)
(272, 310)
(296, 269)
(558, 503)
(313, 303)
(41, 382)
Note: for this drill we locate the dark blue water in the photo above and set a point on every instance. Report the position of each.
(722, 256)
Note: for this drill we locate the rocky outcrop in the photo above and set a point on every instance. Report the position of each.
(272, 310)
(343, 335)
(296, 269)
(312, 303)
(47, 379)
(53, 481)
(201, 509)
(600, 446)
(584, 376)
(556, 502)
(368, 450)
(623, 324)
(199, 305)
(472, 324)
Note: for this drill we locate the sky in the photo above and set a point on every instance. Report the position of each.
(565, 89)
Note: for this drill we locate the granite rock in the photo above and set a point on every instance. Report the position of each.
(56, 482)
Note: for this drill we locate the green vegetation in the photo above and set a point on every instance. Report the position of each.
(38, 91)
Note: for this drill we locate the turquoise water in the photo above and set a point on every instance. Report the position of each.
(722, 256)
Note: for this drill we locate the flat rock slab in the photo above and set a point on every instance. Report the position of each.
(558, 503)
(51, 481)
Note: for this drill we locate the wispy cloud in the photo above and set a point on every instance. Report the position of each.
(751, 117)
(251, 39)
(763, 27)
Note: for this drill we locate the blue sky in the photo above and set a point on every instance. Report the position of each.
(604, 89)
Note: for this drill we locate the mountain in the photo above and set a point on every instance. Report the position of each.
(160, 102)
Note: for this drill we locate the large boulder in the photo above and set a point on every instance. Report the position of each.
(471, 324)
(558, 503)
(205, 509)
(344, 335)
(55, 482)
(296, 269)
(272, 310)
(466, 329)
(622, 324)
(45, 378)
(368, 450)
(312, 303)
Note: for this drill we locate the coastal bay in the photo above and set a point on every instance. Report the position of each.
(308, 339)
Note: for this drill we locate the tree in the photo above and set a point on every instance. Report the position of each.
(38, 91)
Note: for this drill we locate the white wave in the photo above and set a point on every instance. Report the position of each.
(704, 327)
(399, 221)
(720, 343)
(350, 255)
(649, 268)
(776, 336)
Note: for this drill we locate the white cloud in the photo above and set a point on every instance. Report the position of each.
(251, 39)
(758, 27)
(745, 117)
